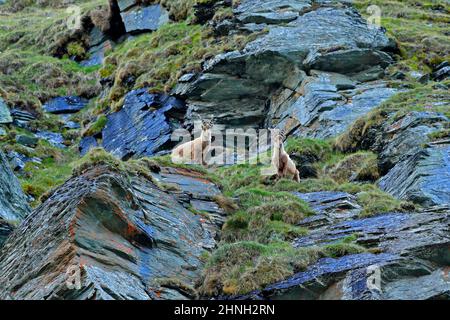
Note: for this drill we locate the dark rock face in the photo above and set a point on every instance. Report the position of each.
(123, 236)
(142, 127)
(5, 230)
(422, 177)
(65, 105)
(13, 203)
(5, 115)
(415, 247)
(239, 84)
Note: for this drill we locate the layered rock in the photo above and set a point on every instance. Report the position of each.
(330, 207)
(5, 115)
(143, 19)
(106, 235)
(13, 202)
(239, 84)
(143, 126)
(413, 249)
(423, 177)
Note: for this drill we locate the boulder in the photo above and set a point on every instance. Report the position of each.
(143, 126)
(13, 202)
(5, 115)
(107, 235)
(69, 104)
(22, 118)
(422, 177)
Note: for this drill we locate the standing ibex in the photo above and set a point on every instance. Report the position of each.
(280, 159)
(195, 151)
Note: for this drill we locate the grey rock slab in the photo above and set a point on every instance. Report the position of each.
(122, 233)
(13, 202)
(5, 115)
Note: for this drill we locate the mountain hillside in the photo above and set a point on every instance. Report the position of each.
(95, 95)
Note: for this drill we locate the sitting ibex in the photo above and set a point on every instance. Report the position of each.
(195, 151)
(286, 168)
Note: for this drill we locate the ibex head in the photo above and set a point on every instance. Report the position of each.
(207, 124)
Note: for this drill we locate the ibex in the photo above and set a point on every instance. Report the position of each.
(195, 151)
(286, 168)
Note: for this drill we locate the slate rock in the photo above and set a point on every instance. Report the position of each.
(405, 135)
(5, 115)
(235, 86)
(441, 74)
(330, 207)
(144, 19)
(423, 177)
(5, 230)
(414, 259)
(86, 144)
(143, 126)
(123, 234)
(54, 138)
(13, 202)
(69, 104)
(18, 161)
(323, 111)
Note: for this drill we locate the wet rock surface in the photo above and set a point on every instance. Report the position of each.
(144, 124)
(124, 236)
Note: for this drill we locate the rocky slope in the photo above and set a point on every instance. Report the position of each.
(370, 219)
